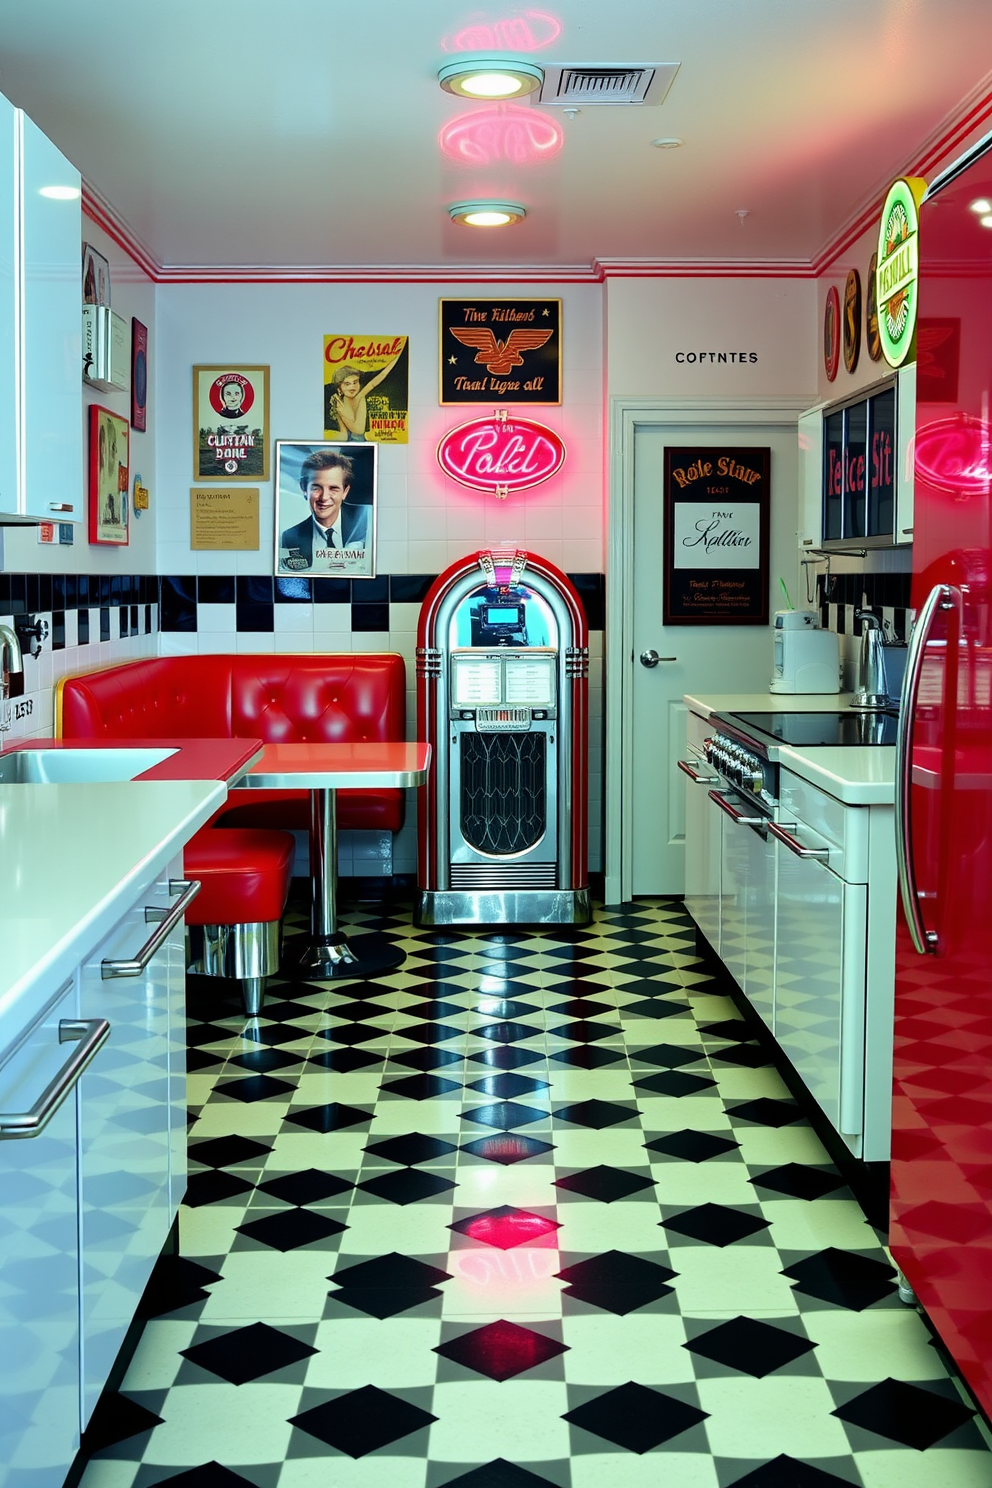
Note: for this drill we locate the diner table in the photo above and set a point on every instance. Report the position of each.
(322, 769)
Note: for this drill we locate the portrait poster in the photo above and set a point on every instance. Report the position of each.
(231, 423)
(108, 482)
(139, 376)
(96, 277)
(498, 350)
(367, 389)
(325, 508)
(716, 535)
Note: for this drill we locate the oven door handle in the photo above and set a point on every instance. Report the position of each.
(737, 817)
(696, 779)
(782, 833)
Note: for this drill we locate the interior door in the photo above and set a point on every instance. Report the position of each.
(700, 659)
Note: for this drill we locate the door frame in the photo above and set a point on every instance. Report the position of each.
(626, 416)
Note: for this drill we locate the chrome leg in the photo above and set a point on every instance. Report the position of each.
(253, 993)
(906, 1293)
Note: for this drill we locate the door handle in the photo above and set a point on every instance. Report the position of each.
(167, 920)
(89, 1035)
(651, 658)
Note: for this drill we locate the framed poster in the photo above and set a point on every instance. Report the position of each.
(139, 376)
(872, 335)
(325, 508)
(231, 423)
(716, 536)
(852, 320)
(367, 389)
(504, 351)
(96, 277)
(223, 520)
(831, 333)
(108, 482)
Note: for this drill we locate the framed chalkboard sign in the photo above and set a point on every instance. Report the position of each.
(500, 351)
(716, 536)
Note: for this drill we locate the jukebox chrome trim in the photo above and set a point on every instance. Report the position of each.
(503, 907)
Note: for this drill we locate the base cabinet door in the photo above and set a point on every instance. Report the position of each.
(733, 897)
(759, 924)
(702, 853)
(39, 1275)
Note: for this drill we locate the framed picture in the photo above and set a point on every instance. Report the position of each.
(502, 351)
(326, 508)
(716, 535)
(96, 277)
(108, 484)
(367, 389)
(231, 423)
(139, 376)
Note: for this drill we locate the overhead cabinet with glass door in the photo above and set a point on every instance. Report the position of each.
(41, 430)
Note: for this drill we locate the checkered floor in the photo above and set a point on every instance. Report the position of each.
(533, 1211)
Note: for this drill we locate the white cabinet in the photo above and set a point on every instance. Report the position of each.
(811, 478)
(702, 836)
(747, 912)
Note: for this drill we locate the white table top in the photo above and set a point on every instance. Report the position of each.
(331, 766)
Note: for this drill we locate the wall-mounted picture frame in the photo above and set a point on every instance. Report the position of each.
(139, 376)
(231, 423)
(96, 277)
(716, 557)
(326, 494)
(852, 319)
(500, 351)
(108, 477)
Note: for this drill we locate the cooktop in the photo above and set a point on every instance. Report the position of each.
(812, 730)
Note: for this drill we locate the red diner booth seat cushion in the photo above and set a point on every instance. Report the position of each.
(244, 875)
(181, 697)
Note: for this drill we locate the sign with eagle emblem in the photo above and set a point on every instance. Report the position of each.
(503, 351)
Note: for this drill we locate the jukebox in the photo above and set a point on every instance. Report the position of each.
(502, 697)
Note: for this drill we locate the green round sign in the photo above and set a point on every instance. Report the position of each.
(897, 271)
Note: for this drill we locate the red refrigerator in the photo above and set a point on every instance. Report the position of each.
(941, 1232)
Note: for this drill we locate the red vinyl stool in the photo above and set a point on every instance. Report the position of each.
(233, 924)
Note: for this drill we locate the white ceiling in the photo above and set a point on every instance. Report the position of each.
(306, 133)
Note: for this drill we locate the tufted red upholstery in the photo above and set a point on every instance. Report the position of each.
(334, 698)
(244, 875)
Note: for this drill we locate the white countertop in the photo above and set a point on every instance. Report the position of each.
(858, 775)
(75, 858)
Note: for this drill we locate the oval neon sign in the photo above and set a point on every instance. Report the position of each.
(501, 454)
(955, 455)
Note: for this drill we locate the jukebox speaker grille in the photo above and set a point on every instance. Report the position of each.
(503, 791)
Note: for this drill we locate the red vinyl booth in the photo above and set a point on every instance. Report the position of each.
(338, 698)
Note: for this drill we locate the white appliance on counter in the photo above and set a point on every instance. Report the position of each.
(806, 659)
(794, 892)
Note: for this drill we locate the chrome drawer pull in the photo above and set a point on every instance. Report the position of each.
(696, 779)
(189, 889)
(736, 816)
(91, 1034)
(816, 854)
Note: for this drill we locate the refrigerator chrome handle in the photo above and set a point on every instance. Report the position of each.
(924, 941)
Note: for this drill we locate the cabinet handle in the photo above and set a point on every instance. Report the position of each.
(816, 854)
(89, 1035)
(696, 779)
(737, 817)
(60, 506)
(189, 889)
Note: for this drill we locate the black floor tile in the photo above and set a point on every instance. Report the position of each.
(503, 1008)
(605, 1183)
(501, 1350)
(499, 1474)
(843, 1277)
(692, 1146)
(343, 1061)
(616, 1282)
(311, 1186)
(505, 1227)
(228, 1152)
(655, 1007)
(748, 1056)
(675, 1083)
(505, 1115)
(582, 1007)
(907, 1414)
(766, 1112)
(727, 1028)
(505, 1057)
(201, 1059)
(420, 1087)
(800, 1182)
(115, 1419)
(198, 1034)
(787, 1472)
(668, 1056)
(635, 1417)
(388, 1285)
(429, 1033)
(213, 1186)
(595, 1114)
(207, 1475)
(349, 1034)
(426, 1059)
(265, 1061)
(591, 1056)
(507, 1148)
(586, 1033)
(274, 1034)
(507, 1032)
(362, 1420)
(289, 1229)
(334, 1116)
(411, 1148)
(750, 1346)
(253, 1088)
(715, 1224)
(406, 1185)
(359, 1010)
(506, 1085)
(175, 1283)
(249, 1353)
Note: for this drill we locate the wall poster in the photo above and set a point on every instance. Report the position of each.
(503, 351)
(231, 423)
(716, 536)
(325, 509)
(108, 500)
(223, 520)
(367, 389)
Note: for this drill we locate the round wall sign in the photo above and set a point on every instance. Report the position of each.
(898, 269)
(831, 333)
(501, 454)
(852, 320)
(872, 337)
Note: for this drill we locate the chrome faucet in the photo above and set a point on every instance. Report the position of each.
(11, 674)
(873, 686)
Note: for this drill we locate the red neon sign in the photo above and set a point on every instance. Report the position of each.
(522, 31)
(507, 134)
(955, 455)
(501, 454)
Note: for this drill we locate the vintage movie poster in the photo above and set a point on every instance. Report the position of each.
(716, 536)
(325, 509)
(366, 389)
(108, 482)
(502, 351)
(231, 423)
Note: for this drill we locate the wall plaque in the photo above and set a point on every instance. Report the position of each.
(716, 536)
(503, 351)
(223, 520)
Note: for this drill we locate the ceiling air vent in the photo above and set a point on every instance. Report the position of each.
(579, 87)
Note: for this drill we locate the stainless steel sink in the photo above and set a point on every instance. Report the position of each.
(76, 766)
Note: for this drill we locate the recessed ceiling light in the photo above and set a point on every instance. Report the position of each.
(668, 142)
(59, 193)
(980, 205)
(490, 77)
(486, 213)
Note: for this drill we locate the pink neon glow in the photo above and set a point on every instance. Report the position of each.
(519, 1270)
(508, 1230)
(488, 455)
(522, 31)
(506, 134)
(955, 455)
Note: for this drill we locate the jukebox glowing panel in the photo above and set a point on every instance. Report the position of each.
(502, 697)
